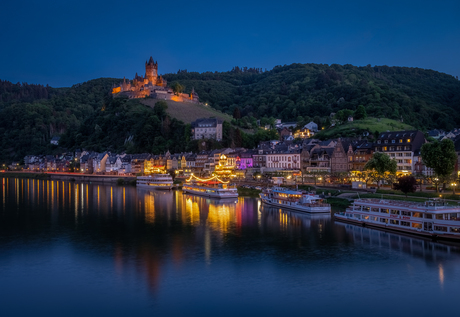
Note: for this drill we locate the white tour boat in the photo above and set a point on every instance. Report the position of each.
(157, 181)
(435, 218)
(211, 187)
(295, 200)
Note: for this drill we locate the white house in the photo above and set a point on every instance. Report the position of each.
(283, 160)
(311, 126)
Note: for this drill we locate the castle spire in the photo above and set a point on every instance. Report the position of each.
(151, 60)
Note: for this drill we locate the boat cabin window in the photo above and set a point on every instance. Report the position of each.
(385, 220)
(394, 222)
(439, 228)
(366, 208)
(394, 212)
(385, 211)
(405, 223)
(454, 216)
(428, 216)
(375, 210)
(455, 229)
(405, 213)
(417, 215)
(440, 216)
(417, 225)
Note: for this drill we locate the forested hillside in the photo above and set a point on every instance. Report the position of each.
(425, 98)
(30, 115)
(86, 115)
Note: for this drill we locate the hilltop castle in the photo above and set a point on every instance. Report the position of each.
(151, 85)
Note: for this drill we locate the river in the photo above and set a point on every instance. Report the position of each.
(72, 249)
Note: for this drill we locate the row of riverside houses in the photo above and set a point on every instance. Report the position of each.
(309, 155)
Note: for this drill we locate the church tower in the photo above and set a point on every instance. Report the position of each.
(151, 71)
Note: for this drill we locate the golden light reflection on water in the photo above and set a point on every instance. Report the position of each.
(441, 275)
(149, 208)
(211, 219)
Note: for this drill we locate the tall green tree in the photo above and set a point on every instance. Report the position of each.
(236, 113)
(382, 165)
(342, 115)
(406, 184)
(360, 113)
(177, 88)
(441, 157)
(160, 108)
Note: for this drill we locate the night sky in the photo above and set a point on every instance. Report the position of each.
(62, 43)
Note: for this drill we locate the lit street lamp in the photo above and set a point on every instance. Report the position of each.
(453, 185)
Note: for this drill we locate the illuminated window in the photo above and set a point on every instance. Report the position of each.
(408, 140)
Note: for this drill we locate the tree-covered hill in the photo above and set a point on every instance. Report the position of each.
(30, 115)
(425, 98)
(86, 115)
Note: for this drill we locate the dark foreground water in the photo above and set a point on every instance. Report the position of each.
(71, 249)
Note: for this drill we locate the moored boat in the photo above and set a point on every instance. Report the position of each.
(295, 200)
(210, 187)
(434, 218)
(156, 181)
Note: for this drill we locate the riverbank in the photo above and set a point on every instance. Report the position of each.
(25, 175)
(73, 177)
(248, 192)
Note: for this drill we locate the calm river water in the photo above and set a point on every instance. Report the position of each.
(69, 249)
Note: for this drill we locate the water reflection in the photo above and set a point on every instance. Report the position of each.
(438, 255)
(158, 234)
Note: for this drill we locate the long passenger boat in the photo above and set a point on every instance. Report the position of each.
(435, 218)
(156, 181)
(210, 187)
(295, 200)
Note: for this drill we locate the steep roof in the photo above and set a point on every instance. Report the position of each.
(206, 122)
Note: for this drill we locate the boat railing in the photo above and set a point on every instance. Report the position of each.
(316, 205)
(397, 203)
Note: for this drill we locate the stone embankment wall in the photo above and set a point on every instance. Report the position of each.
(108, 179)
(90, 178)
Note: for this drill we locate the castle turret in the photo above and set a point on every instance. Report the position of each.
(151, 71)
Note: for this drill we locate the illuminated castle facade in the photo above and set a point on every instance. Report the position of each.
(151, 85)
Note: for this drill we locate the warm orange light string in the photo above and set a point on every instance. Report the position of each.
(206, 180)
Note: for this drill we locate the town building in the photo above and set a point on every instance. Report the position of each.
(339, 158)
(207, 128)
(403, 146)
(311, 126)
(359, 153)
(55, 140)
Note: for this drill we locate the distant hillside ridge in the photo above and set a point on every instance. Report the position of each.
(425, 98)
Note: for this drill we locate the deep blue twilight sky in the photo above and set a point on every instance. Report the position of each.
(62, 43)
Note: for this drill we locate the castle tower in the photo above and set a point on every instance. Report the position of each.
(151, 71)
